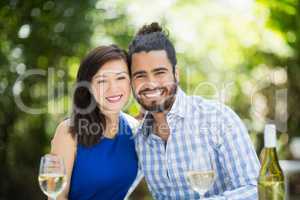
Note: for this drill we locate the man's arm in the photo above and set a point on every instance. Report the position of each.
(238, 159)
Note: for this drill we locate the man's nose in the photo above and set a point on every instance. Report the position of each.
(152, 82)
(149, 86)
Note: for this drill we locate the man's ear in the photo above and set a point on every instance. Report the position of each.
(177, 73)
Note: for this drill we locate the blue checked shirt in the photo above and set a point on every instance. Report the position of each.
(200, 125)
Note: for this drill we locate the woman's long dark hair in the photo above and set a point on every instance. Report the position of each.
(87, 120)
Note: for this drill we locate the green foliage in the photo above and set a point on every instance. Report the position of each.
(284, 18)
(39, 35)
(218, 47)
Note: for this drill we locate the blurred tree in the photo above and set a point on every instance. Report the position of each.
(215, 43)
(284, 18)
(51, 37)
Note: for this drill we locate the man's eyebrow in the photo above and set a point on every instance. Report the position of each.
(160, 69)
(138, 72)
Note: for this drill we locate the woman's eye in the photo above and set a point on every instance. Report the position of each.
(101, 81)
(121, 78)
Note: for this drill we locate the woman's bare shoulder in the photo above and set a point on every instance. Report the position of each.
(63, 137)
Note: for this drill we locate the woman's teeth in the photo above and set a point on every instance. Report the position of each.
(114, 99)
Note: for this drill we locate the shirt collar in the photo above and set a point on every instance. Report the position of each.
(179, 108)
(147, 122)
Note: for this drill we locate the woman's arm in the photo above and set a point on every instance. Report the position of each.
(64, 145)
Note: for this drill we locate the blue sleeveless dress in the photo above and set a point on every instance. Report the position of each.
(107, 169)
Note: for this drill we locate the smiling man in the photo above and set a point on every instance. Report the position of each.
(177, 127)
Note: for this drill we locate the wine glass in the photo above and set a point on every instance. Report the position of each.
(200, 174)
(52, 175)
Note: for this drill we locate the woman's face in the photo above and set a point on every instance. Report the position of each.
(111, 86)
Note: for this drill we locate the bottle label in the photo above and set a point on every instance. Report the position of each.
(271, 190)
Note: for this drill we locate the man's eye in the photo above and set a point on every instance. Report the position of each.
(140, 76)
(159, 73)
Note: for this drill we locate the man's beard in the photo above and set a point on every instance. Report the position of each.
(167, 103)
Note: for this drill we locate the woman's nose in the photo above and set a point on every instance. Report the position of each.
(112, 85)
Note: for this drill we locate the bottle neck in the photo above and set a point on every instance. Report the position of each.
(270, 136)
(269, 155)
(270, 152)
(270, 168)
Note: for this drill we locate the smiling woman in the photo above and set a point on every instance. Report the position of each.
(96, 141)
(111, 85)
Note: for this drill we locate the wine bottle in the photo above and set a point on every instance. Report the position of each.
(271, 179)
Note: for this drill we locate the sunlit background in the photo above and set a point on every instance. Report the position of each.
(243, 53)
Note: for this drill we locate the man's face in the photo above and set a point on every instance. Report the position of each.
(153, 81)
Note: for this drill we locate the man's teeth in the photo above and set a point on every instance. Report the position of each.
(153, 93)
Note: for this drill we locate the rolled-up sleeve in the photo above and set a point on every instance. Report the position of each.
(238, 159)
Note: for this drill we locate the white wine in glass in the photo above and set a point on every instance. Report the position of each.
(201, 181)
(52, 175)
(201, 173)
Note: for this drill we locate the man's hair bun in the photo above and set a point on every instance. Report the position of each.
(151, 28)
